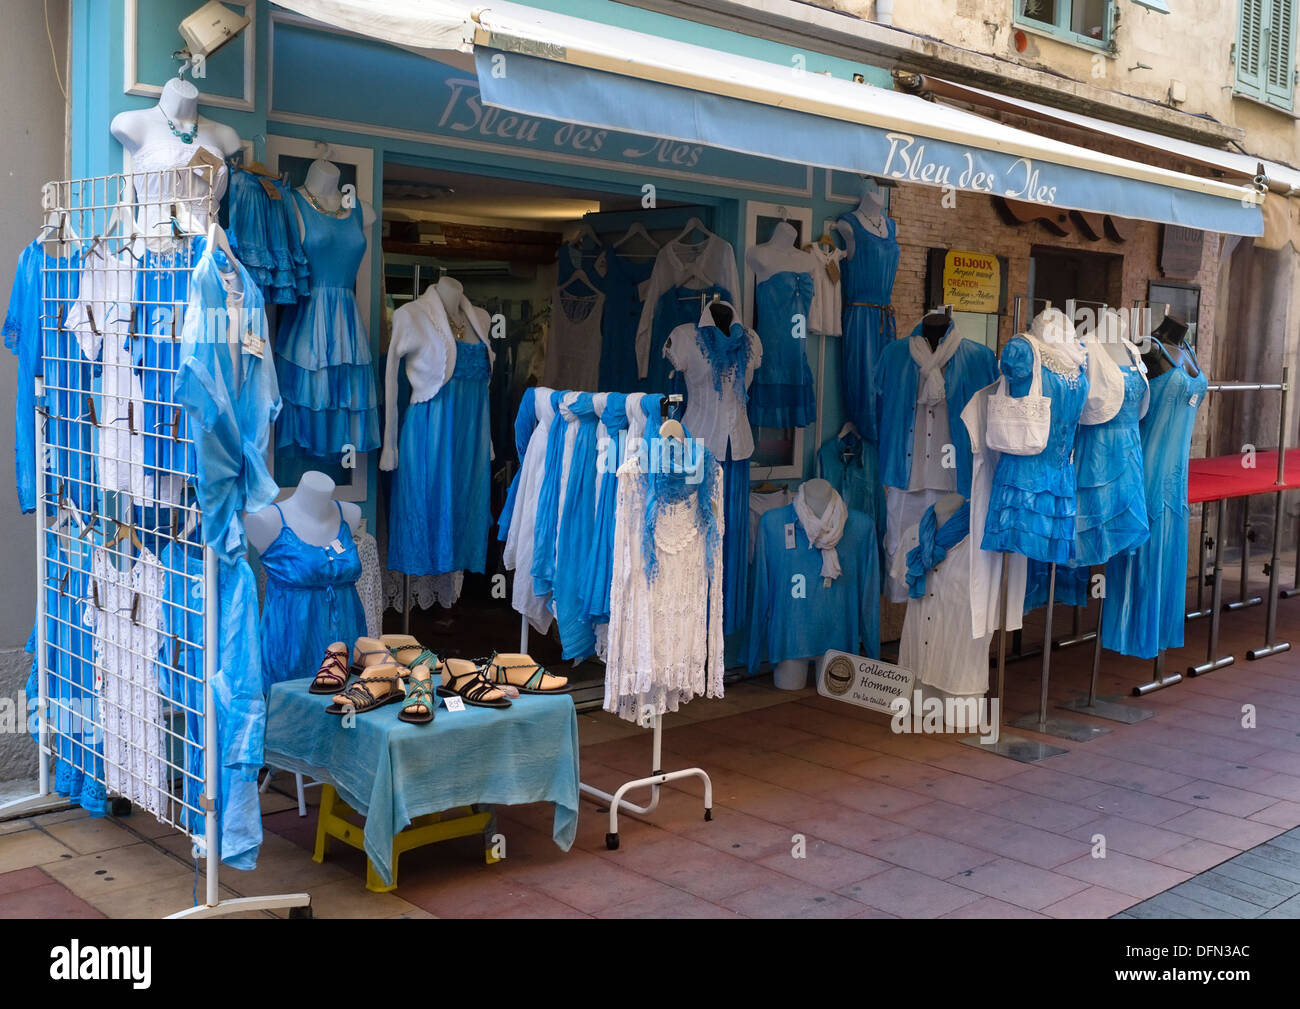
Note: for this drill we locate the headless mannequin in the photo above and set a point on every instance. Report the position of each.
(934, 326)
(779, 254)
(321, 187)
(792, 674)
(871, 214)
(452, 292)
(1172, 334)
(1111, 331)
(310, 513)
(179, 103)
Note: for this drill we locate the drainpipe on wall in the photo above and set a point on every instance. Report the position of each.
(885, 12)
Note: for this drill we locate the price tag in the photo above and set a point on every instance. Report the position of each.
(789, 535)
(336, 545)
(203, 158)
(272, 190)
(833, 271)
(254, 344)
(453, 703)
(1194, 400)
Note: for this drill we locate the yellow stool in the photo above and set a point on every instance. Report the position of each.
(423, 830)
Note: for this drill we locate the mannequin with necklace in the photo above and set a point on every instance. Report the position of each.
(322, 350)
(441, 508)
(782, 395)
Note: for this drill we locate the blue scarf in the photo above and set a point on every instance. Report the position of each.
(525, 421)
(677, 471)
(596, 595)
(727, 354)
(935, 542)
(576, 537)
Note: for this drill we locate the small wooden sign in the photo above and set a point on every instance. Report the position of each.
(1180, 251)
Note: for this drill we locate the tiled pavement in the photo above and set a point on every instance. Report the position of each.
(820, 810)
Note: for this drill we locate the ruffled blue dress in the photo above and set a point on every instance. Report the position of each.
(867, 281)
(311, 602)
(441, 509)
(1112, 512)
(1032, 503)
(782, 393)
(322, 352)
(1146, 590)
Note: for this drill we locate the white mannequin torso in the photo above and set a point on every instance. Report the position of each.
(321, 188)
(779, 254)
(870, 213)
(451, 291)
(179, 103)
(817, 492)
(310, 512)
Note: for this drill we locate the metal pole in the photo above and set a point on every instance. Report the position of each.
(1212, 660)
(1002, 640)
(1202, 546)
(42, 672)
(1045, 679)
(1270, 624)
(211, 769)
(1244, 599)
(523, 635)
(1096, 656)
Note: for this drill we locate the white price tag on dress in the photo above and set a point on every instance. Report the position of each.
(254, 344)
(453, 703)
(789, 535)
(336, 545)
(1194, 399)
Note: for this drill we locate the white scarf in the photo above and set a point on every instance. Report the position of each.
(930, 387)
(823, 531)
(1055, 334)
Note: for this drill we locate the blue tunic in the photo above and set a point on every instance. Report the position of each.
(441, 511)
(311, 602)
(1146, 590)
(1032, 502)
(622, 313)
(793, 614)
(971, 367)
(782, 393)
(843, 463)
(868, 286)
(1108, 460)
(575, 532)
(322, 350)
(231, 402)
(525, 422)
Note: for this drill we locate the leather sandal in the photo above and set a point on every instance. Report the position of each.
(333, 674)
(525, 675)
(369, 652)
(408, 652)
(360, 697)
(419, 694)
(464, 679)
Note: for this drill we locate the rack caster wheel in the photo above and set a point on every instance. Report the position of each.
(708, 813)
(300, 912)
(121, 807)
(611, 842)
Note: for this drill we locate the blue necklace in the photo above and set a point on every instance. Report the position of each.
(185, 136)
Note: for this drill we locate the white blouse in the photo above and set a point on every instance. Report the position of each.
(717, 418)
(422, 336)
(680, 264)
(665, 636)
(826, 302)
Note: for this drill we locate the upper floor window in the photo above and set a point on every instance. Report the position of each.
(1086, 21)
(1265, 51)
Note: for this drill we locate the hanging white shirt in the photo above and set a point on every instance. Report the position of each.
(718, 418)
(681, 264)
(826, 313)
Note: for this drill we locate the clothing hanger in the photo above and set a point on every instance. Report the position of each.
(217, 234)
(693, 225)
(581, 276)
(849, 428)
(671, 426)
(637, 230)
(585, 230)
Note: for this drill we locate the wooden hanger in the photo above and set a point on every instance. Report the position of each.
(849, 428)
(694, 224)
(637, 230)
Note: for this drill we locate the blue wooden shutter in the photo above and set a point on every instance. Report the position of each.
(1250, 48)
(1279, 78)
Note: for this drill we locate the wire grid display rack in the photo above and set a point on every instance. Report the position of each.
(127, 595)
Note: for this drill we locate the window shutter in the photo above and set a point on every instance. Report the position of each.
(1279, 81)
(1250, 48)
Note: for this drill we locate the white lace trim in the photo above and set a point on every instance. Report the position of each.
(425, 590)
(1059, 361)
(370, 586)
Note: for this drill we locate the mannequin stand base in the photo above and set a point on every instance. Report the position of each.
(1209, 667)
(1077, 732)
(1109, 709)
(1267, 650)
(1243, 604)
(1026, 751)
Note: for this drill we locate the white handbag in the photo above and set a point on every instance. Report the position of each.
(1020, 425)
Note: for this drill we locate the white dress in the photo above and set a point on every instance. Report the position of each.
(124, 612)
(574, 343)
(100, 319)
(936, 640)
(161, 176)
(518, 553)
(665, 635)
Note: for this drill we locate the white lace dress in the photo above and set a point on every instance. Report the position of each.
(124, 612)
(665, 634)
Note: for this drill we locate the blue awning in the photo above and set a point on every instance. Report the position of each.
(608, 78)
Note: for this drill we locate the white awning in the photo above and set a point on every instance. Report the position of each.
(1279, 178)
(420, 25)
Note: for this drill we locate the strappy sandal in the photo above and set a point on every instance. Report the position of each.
(464, 679)
(358, 697)
(525, 675)
(369, 652)
(419, 694)
(408, 652)
(333, 674)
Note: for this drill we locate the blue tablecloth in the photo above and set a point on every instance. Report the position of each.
(392, 771)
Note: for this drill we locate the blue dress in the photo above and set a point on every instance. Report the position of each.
(575, 533)
(1146, 590)
(782, 394)
(311, 602)
(793, 614)
(868, 284)
(1112, 513)
(1032, 502)
(622, 313)
(322, 350)
(441, 509)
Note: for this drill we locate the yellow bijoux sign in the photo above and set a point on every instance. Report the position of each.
(972, 281)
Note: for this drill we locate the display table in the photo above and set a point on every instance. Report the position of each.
(392, 772)
(1223, 476)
